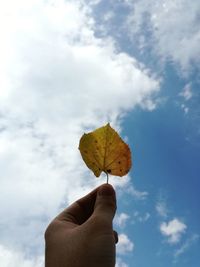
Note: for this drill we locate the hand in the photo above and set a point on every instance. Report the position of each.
(82, 235)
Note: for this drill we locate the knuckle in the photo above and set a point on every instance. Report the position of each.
(49, 231)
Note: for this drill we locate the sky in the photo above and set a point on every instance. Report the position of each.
(69, 67)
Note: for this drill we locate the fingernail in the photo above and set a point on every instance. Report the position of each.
(106, 190)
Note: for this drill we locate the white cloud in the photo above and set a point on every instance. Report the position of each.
(10, 258)
(57, 81)
(186, 245)
(162, 209)
(124, 244)
(121, 219)
(172, 26)
(139, 195)
(173, 230)
(187, 92)
(145, 217)
(185, 108)
(120, 263)
(141, 217)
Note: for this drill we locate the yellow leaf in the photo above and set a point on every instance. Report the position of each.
(104, 150)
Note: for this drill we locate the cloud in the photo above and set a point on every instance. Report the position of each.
(124, 245)
(120, 263)
(162, 209)
(187, 92)
(185, 108)
(144, 218)
(139, 195)
(169, 28)
(121, 219)
(138, 217)
(173, 230)
(9, 257)
(186, 95)
(186, 245)
(58, 80)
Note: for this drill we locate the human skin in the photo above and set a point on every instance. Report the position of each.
(82, 235)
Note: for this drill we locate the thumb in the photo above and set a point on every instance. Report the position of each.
(105, 205)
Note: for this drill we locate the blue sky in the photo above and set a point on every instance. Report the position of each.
(68, 67)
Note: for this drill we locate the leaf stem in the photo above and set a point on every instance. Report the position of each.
(107, 177)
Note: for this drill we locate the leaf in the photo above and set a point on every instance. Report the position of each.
(104, 150)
